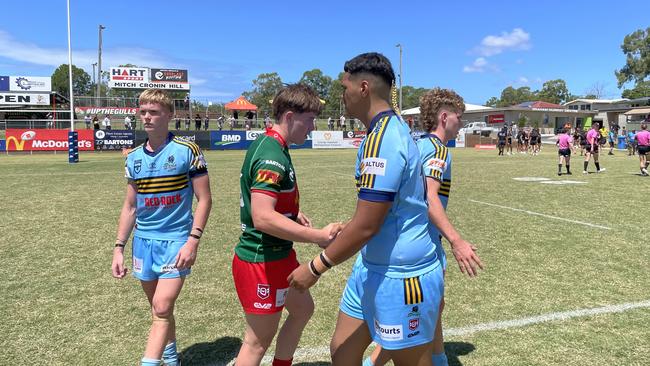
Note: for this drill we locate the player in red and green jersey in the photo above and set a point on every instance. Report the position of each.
(271, 221)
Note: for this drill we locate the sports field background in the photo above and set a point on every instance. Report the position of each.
(60, 305)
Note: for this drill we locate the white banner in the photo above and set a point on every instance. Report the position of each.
(134, 74)
(327, 139)
(30, 83)
(24, 99)
(148, 85)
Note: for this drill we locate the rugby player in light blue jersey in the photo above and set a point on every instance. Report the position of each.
(393, 294)
(440, 112)
(163, 174)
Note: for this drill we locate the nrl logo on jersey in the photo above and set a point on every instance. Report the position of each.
(137, 166)
(263, 291)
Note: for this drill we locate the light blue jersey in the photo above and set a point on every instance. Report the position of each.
(436, 163)
(388, 169)
(164, 188)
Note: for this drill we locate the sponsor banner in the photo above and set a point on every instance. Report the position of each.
(451, 143)
(173, 75)
(327, 139)
(148, 85)
(306, 145)
(4, 83)
(29, 84)
(351, 143)
(3, 145)
(354, 134)
(24, 99)
(252, 135)
(114, 139)
(201, 138)
(496, 118)
(46, 140)
(106, 110)
(229, 140)
(460, 140)
(122, 74)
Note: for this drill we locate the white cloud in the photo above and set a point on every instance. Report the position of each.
(477, 66)
(491, 45)
(523, 80)
(52, 56)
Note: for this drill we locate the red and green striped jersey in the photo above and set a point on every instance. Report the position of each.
(267, 169)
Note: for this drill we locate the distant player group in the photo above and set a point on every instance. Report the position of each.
(394, 295)
(529, 140)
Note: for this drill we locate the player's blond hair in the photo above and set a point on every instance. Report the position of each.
(435, 99)
(156, 96)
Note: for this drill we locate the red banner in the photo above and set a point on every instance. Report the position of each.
(496, 118)
(47, 140)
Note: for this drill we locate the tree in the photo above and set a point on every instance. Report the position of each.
(554, 91)
(334, 101)
(411, 96)
(640, 90)
(636, 47)
(511, 96)
(265, 86)
(80, 81)
(492, 102)
(317, 81)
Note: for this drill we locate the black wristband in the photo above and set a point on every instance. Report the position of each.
(118, 245)
(313, 269)
(324, 260)
(195, 236)
(199, 229)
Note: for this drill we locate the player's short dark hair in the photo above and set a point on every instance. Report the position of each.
(298, 98)
(372, 63)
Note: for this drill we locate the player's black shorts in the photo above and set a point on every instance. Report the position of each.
(588, 148)
(533, 142)
(502, 143)
(509, 140)
(643, 149)
(564, 152)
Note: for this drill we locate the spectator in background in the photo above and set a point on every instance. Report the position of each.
(50, 120)
(106, 123)
(342, 120)
(206, 122)
(197, 122)
(95, 122)
(315, 125)
(177, 122)
(187, 101)
(187, 121)
(231, 122)
(249, 119)
(235, 116)
(220, 122)
(87, 121)
(127, 122)
(268, 123)
(330, 124)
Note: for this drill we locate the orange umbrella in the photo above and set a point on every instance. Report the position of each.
(241, 104)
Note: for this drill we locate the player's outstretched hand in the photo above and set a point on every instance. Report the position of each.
(330, 232)
(117, 267)
(468, 260)
(303, 220)
(187, 255)
(301, 278)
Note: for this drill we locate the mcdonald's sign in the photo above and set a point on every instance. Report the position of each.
(46, 140)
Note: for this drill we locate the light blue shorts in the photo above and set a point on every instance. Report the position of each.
(154, 259)
(399, 312)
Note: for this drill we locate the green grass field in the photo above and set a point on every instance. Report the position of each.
(60, 305)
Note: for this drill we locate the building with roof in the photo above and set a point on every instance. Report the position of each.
(619, 112)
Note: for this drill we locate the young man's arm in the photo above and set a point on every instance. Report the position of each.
(269, 221)
(463, 251)
(124, 227)
(187, 254)
(366, 222)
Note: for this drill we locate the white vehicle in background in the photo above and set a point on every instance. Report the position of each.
(477, 128)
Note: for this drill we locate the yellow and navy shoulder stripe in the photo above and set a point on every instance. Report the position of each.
(164, 184)
(413, 291)
(445, 187)
(196, 151)
(372, 147)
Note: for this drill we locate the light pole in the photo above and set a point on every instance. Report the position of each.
(94, 65)
(399, 45)
(99, 64)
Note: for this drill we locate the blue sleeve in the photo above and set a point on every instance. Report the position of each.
(381, 165)
(435, 162)
(198, 165)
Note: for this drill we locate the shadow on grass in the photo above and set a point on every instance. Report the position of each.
(456, 349)
(219, 352)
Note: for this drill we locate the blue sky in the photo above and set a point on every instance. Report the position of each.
(475, 47)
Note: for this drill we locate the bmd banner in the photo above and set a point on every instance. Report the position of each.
(229, 140)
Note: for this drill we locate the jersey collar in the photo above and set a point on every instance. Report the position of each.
(170, 137)
(375, 119)
(433, 136)
(275, 135)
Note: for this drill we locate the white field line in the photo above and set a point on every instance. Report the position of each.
(311, 353)
(542, 215)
